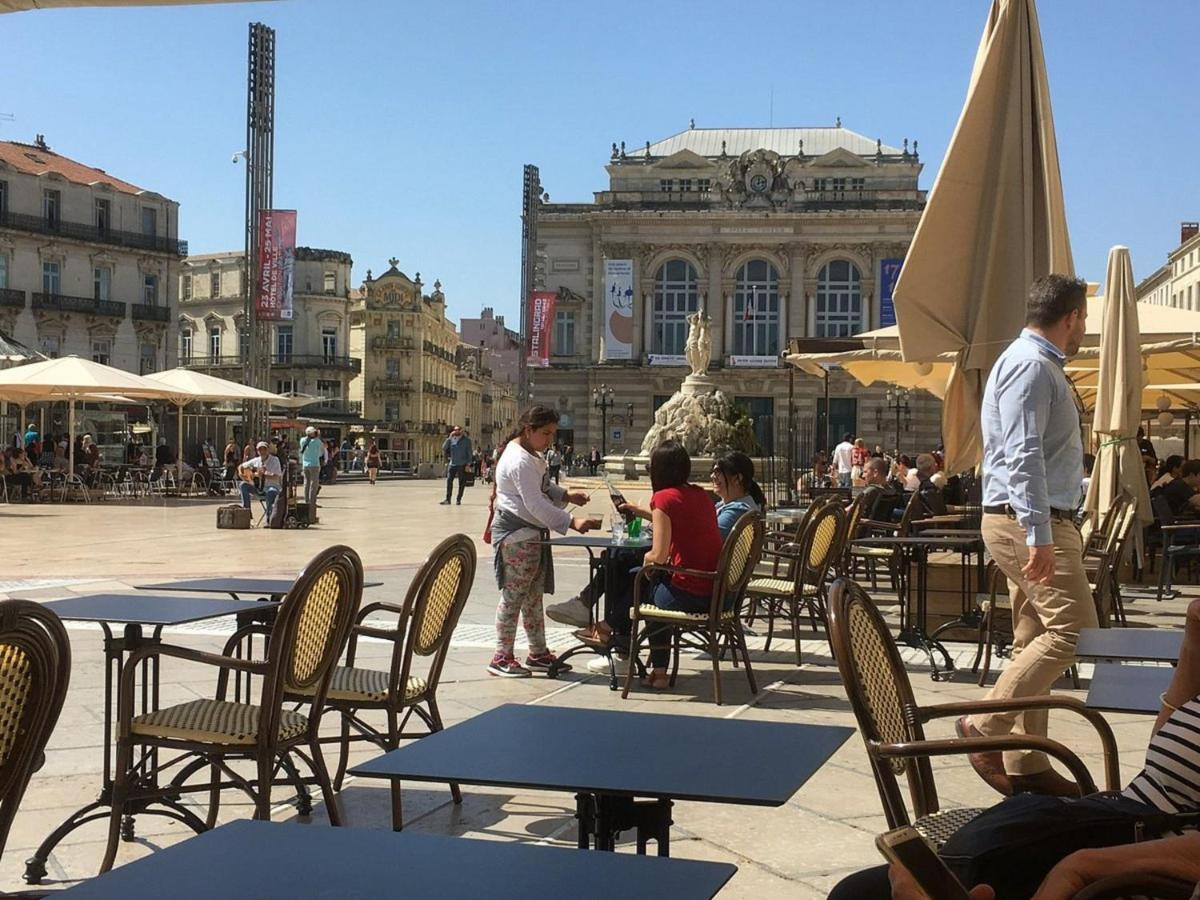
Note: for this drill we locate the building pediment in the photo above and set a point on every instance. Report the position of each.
(684, 159)
(839, 157)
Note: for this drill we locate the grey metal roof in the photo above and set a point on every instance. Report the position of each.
(784, 141)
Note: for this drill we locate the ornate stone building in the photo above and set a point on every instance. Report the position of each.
(310, 354)
(486, 406)
(88, 262)
(409, 353)
(490, 331)
(1177, 283)
(774, 233)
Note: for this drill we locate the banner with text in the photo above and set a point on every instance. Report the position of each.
(889, 273)
(541, 323)
(618, 309)
(276, 263)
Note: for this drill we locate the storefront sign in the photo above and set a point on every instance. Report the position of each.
(889, 272)
(276, 263)
(618, 309)
(541, 321)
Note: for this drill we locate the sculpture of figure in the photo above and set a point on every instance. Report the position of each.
(698, 349)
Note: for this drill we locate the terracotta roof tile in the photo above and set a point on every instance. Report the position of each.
(34, 160)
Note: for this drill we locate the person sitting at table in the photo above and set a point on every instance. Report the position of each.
(23, 473)
(1168, 782)
(1181, 493)
(262, 476)
(933, 502)
(686, 536)
(1168, 470)
(881, 498)
(733, 480)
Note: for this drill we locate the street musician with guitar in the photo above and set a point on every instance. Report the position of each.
(262, 476)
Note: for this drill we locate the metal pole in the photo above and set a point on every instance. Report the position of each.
(603, 427)
(530, 198)
(791, 427)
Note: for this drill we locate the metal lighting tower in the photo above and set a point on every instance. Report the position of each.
(260, 157)
(531, 193)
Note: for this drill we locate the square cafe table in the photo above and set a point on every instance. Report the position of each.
(284, 861)
(133, 611)
(1137, 689)
(1130, 644)
(610, 758)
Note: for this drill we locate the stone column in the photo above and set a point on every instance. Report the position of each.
(715, 305)
(796, 324)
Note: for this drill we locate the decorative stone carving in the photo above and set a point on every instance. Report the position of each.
(698, 349)
(705, 423)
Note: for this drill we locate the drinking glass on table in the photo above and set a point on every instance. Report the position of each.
(618, 530)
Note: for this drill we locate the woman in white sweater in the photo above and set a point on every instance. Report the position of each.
(526, 508)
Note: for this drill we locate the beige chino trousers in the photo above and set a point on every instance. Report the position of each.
(1047, 619)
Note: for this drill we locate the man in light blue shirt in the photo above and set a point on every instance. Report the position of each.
(1032, 469)
(312, 454)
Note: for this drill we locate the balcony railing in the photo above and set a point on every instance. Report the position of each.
(315, 361)
(93, 233)
(11, 297)
(211, 362)
(438, 390)
(390, 385)
(90, 305)
(331, 406)
(382, 342)
(435, 350)
(150, 312)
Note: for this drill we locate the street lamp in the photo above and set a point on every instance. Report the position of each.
(897, 401)
(602, 399)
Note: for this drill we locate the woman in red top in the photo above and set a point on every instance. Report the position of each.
(685, 535)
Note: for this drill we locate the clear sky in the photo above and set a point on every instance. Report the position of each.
(402, 127)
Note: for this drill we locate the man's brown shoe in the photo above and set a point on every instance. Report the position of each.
(1048, 782)
(990, 765)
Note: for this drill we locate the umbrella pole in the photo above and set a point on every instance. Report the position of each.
(71, 436)
(179, 448)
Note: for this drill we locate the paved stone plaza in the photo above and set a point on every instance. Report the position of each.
(799, 850)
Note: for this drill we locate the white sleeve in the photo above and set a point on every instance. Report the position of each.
(534, 499)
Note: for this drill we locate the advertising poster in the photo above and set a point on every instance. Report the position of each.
(889, 273)
(541, 321)
(618, 308)
(276, 264)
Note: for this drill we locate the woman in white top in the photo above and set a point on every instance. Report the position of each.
(526, 508)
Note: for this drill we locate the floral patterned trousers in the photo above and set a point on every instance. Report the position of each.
(524, 580)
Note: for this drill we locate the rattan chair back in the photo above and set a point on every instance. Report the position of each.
(432, 607)
(310, 632)
(821, 543)
(881, 696)
(854, 515)
(35, 668)
(735, 566)
(904, 526)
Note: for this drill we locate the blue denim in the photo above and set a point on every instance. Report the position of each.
(667, 596)
(248, 491)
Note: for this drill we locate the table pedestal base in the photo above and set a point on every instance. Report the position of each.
(604, 816)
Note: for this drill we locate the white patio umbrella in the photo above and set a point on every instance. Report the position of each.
(71, 378)
(187, 386)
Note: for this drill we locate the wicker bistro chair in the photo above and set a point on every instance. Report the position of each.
(309, 633)
(854, 519)
(35, 668)
(704, 631)
(1104, 567)
(810, 560)
(425, 623)
(892, 724)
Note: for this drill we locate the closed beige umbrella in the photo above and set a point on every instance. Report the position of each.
(994, 222)
(1119, 389)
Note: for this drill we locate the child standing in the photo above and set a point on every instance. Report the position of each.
(526, 508)
(373, 462)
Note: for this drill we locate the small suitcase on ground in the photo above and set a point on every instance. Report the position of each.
(233, 517)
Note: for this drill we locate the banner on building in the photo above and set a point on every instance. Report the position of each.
(889, 273)
(754, 362)
(618, 309)
(276, 263)
(541, 323)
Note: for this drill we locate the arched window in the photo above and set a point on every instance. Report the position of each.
(839, 300)
(676, 295)
(756, 310)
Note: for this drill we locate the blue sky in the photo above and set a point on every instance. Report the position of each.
(402, 127)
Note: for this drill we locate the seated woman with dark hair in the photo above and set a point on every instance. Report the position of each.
(1170, 782)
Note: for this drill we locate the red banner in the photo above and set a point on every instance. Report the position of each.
(276, 263)
(541, 323)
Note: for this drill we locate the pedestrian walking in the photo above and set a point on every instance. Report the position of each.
(554, 463)
(1032, 467)
(594, 461)
(373, 462)
(457, 449)
(843, 460)
(312, 454)
(526, 507)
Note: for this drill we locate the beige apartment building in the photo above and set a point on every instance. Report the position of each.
(88, 262)
(486, 406)
(775, 233)
(310, 353)
(1177, 283)
(409, 354)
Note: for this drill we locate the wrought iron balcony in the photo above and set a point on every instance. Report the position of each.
(315, 361)
(383, 342)
(432, 348)
(150, 312)
(89, 305)
(331, 406)
(392, 385)
(11, 297)
(438, 390)
(211, 362)
(93, 233)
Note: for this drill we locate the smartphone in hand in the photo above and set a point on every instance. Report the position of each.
(906, 848)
